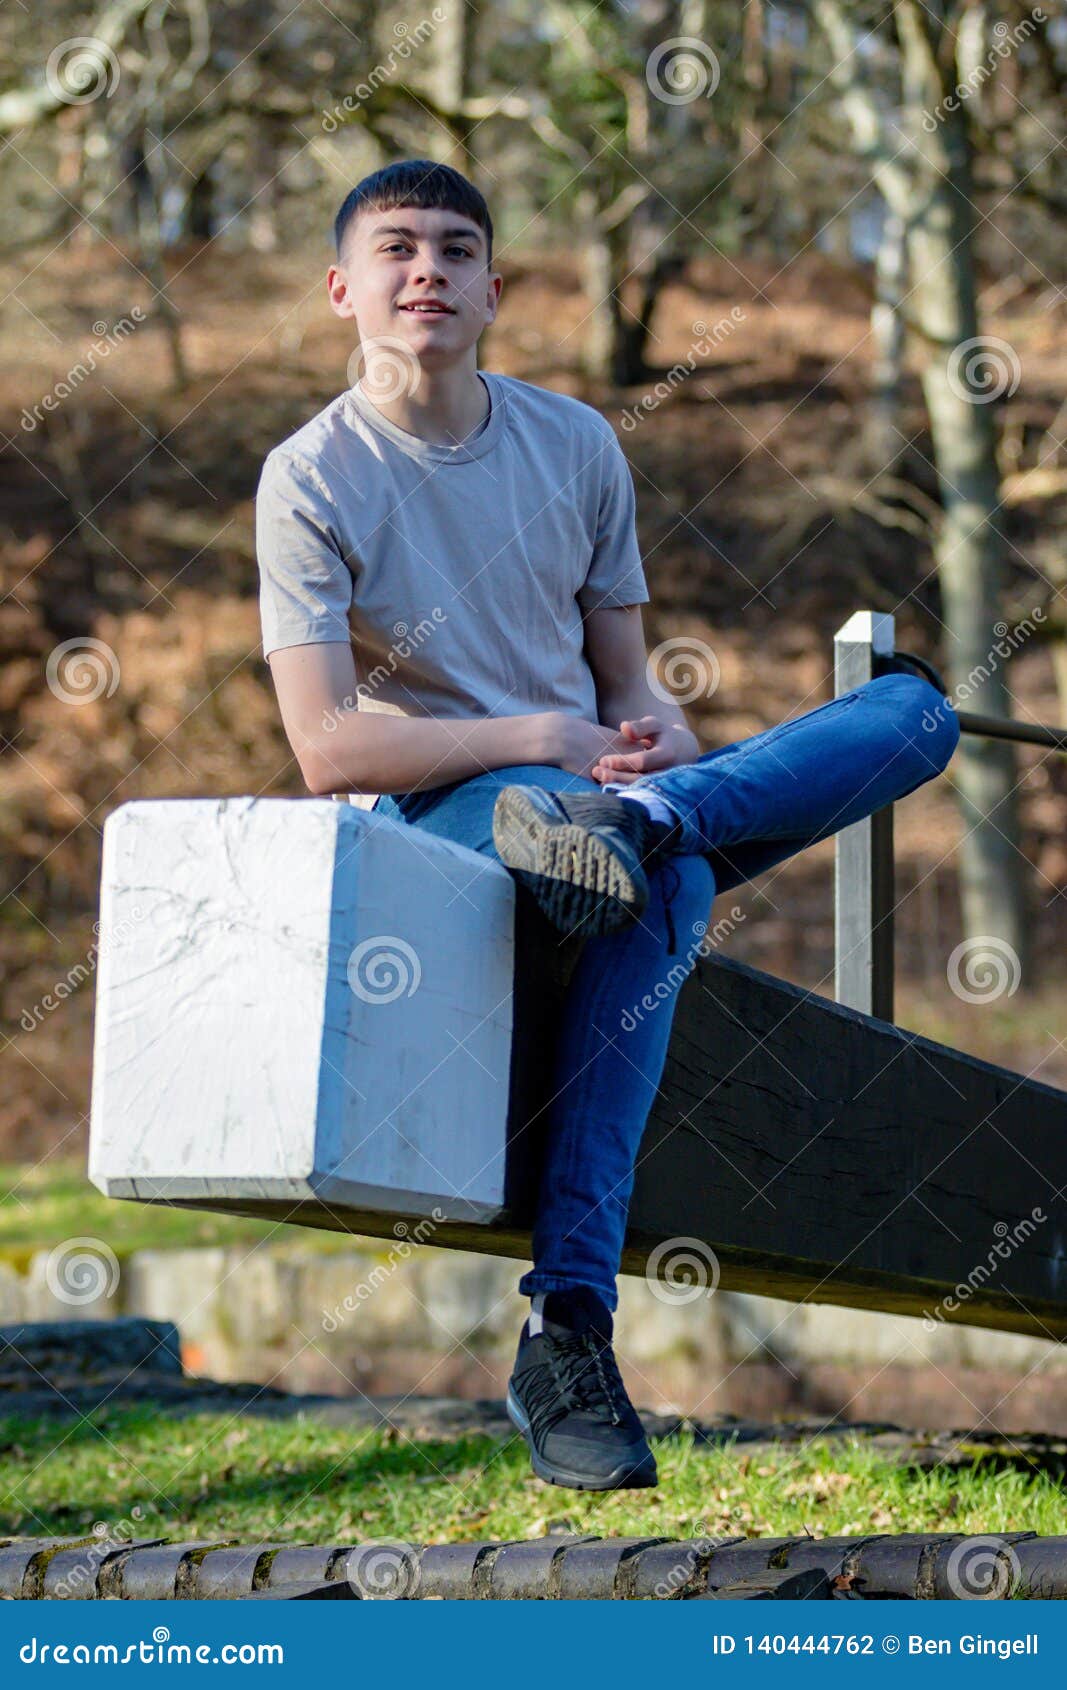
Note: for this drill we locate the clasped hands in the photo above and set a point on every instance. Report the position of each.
(658, 745)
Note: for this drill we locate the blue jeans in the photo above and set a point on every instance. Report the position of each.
(744, 808)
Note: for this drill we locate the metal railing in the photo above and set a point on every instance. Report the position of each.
(863, 859)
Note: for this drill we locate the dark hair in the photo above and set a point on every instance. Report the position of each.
(417, 182)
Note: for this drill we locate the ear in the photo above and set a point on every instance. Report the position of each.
(492, 301)
(337, 289)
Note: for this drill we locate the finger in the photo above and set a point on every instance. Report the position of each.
(632, 761)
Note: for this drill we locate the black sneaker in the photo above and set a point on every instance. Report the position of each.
(583, 855)
(567, 1399)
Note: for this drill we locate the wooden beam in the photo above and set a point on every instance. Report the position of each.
(816, 1152)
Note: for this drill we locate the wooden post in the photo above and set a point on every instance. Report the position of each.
(863, 861)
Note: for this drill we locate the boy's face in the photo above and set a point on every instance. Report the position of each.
(391, 259)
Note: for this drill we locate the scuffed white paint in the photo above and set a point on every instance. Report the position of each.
(234, 1057)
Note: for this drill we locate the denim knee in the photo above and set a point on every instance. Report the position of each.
(937, 729)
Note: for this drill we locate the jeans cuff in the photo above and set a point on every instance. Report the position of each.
(691, 842)
(535, 1281)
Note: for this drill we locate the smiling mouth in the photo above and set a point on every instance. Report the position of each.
(427, 310)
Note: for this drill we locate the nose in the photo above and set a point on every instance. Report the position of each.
(427, 269)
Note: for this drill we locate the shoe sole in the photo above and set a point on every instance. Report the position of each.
(579, 882)
(623, 1477)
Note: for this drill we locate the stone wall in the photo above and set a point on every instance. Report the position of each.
(404, 1316)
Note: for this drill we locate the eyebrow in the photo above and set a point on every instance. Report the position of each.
(468, 233)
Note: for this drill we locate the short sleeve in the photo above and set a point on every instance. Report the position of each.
(305, 585)
(615, 575)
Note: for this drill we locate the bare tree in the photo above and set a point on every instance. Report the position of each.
(924, 170)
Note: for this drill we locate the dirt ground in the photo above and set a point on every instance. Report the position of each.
(128, 517)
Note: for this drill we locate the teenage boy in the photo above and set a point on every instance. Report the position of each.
(457, 549)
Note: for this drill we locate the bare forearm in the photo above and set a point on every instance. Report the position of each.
(640, 700)
(371, 751)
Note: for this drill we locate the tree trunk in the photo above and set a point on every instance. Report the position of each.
(968, 548)
(150, 257)
(607, 348)
(884, 441)
(454, 45)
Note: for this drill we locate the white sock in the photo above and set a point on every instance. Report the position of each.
(536, 1320)
(658, 807)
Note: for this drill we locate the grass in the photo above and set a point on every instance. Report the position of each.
(40, 1204)
(145, 1473)
(209, 1475)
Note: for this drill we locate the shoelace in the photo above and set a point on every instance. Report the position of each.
(581, 1374)
(631, 823)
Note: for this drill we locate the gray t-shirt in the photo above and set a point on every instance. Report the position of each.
(459, 573)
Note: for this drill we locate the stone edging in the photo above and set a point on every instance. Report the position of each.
(914, 1565)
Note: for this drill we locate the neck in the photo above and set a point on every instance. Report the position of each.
(447, 406)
